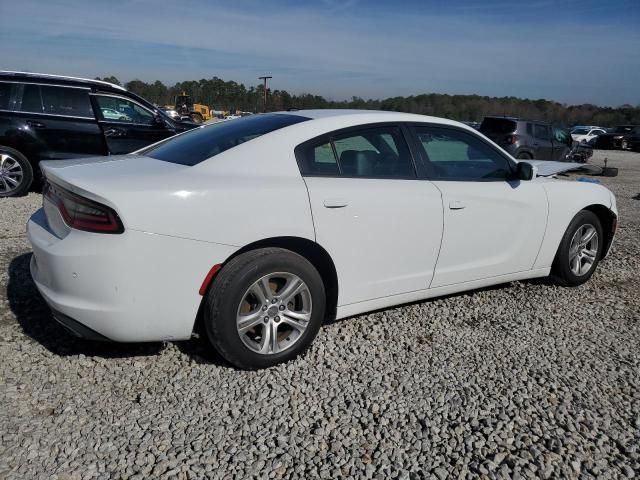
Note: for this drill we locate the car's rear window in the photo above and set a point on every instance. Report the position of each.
(201, 143)
(497, 125)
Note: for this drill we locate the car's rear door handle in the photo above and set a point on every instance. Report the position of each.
(33, 124)
(335, 203)
(456, 205)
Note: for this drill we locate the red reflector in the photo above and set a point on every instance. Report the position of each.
(209, 278)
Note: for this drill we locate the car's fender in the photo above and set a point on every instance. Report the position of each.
(565, 200)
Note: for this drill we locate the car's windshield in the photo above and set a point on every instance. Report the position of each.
(197, 145)
(580, 131)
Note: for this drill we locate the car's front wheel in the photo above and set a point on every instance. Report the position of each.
(265, 307)
(579, 251)
(16, 174)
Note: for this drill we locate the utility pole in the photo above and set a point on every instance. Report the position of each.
(265, 91)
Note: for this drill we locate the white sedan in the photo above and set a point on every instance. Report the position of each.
(253, 232)
(585, 135)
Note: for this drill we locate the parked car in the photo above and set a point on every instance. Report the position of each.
(255, 231)
(525, 139)
(585, 135)
(616, 137)
(581, 127)
(632, 141)
(171, 113)
(47, 117)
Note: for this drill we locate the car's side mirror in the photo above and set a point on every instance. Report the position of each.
(525, 171)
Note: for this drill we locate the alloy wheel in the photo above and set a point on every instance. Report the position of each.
(583, 250)
(274, 313)
(11, 173)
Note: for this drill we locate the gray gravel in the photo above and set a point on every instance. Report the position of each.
(526, 380)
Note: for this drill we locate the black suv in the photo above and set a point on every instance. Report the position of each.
(527, 139)
(47, 117)
(616, 137)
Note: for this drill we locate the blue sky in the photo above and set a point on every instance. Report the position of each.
(572, 51)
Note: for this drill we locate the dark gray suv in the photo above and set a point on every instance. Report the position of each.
(527, 139)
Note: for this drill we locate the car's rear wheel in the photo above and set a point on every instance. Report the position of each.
(524, 156)
(16, 174)
(580, 250)
(265, 307)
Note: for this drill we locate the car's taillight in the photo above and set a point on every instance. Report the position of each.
(511, 139)
(81, 213)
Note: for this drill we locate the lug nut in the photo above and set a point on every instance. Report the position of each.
(277, 319)
(275, 300)
(282, 307)
(266, 319)
(264, 308)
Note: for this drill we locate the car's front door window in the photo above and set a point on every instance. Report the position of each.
(456, 155)
(119, 109)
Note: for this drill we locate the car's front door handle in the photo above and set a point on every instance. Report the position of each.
(33, 124)
(115, 132)
(456, 205)
(335, 203)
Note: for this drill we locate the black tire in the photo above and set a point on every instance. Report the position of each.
(227, 293)
(24, 181)
(561, 270)
(524, 156)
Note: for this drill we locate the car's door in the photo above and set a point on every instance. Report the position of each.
(593, 134)
(381, 224)
(58, 120)
(493, 225)
(542, 141)
(127, 125)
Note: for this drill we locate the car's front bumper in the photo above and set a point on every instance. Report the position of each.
(132, 287)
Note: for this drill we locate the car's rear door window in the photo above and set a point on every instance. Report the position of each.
(374, 152)
(5, 94)
(54, 100)
(31, 99)
(72, 102)
(208, 141)
(498, 125)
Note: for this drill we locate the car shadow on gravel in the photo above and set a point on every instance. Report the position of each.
(34, 316)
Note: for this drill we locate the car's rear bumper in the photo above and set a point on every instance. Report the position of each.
(132, 287)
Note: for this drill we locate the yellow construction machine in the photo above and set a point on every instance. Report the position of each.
(197, 112)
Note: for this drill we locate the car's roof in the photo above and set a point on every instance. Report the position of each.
(368, 116)
(48, 78)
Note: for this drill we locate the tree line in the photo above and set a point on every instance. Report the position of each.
(232, 96)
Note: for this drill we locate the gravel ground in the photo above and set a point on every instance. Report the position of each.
(525, 380)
